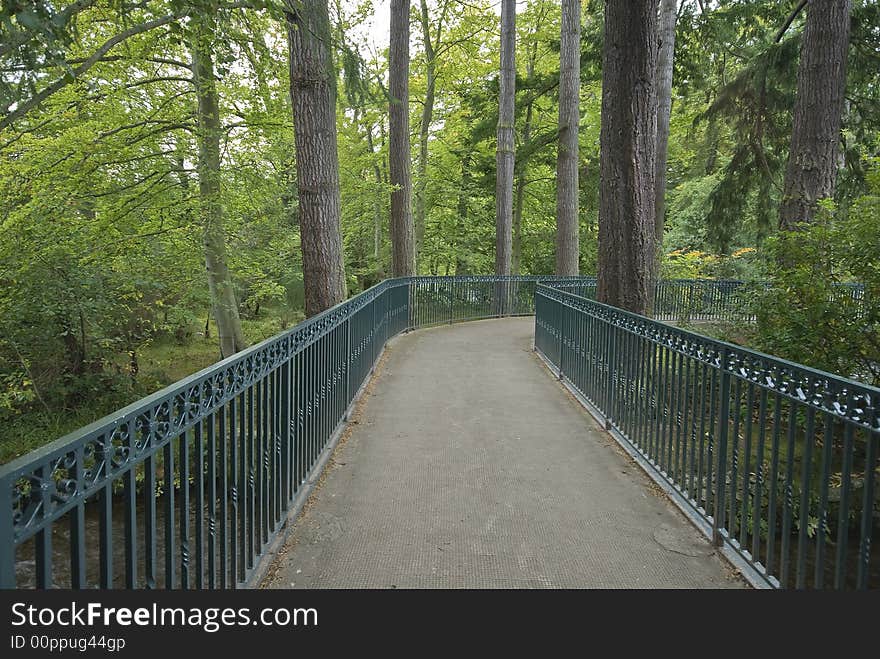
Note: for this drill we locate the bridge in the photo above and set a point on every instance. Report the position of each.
(553, 442)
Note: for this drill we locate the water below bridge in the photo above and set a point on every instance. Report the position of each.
(468, 465)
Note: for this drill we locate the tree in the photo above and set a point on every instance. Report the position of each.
(815, 137)
(665, 59)
(402, 243)
(505, 152)
(210, 202)
(567, 225)
(313, 96)
(627, 146)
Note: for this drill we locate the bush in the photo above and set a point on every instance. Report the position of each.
(808, 314)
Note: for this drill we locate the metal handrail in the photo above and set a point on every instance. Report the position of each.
(193, 486)
(190, 486)
(776, 461)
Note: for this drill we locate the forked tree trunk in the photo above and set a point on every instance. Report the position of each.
(223, 301)
(403, 255)
(567, 226)
(627, 149)
(313, 97)
(811, 173)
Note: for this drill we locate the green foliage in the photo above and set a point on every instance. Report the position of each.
(806, 315)
(101, 257)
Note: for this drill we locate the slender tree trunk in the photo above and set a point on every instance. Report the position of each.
(464, 196)
(313, 97)
(403, 256)
(505, 155)
(811, 173)
(567, 225)
(377, 209)
(521, 174)
(516, 238)
(223, 300)
(425, 127)
(627, 148)
(665, 59)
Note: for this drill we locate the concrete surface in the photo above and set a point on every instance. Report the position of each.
(469, 466)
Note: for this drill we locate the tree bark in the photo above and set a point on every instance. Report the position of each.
(505, 155)
(313, 97)
(811, 173)
(403, 256)
(464, 197)
(220, 285)
(567, 225)
(425, 126)
(377, 208)
(521, 173)
(627, 149)
(665, 59)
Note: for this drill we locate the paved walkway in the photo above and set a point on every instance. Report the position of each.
(469, 466)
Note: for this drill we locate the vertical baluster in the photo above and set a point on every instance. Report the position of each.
(168, 465)
(199, 522)
(788, 504)
(827, 448)
(840, 562)
(224, 496)
(105, 532)
(77, 517)
(759, 471)
(774, 481)
(234, 489)
(212, 500)
(747, 467)
(150, 520)
(733, 442)
(804, 511)
(129, 495)
(183, 460)
(866, 530)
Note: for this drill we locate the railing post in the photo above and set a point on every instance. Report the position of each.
(610, 356)
(721, 466)
(451, 299)
(348, 393)
(561, 337)
(7, 545)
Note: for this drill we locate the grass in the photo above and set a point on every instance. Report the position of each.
(161, 363)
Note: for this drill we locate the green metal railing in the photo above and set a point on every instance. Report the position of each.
(714, 300)
(189, 487)
(776, 462)
(192, 487)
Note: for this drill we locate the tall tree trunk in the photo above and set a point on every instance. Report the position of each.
(425, 126)
(377, 209)
(403, 257)
(811, 173)
(627, 147)
(522, 172)
(464, 196)
(665, 59)
(505, 154)
(567, 226)
(313, 97)
(220, 285)
(516, 237)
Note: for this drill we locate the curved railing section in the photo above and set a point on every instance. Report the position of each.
(188, 487)
(776, 462)
(192, 486)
